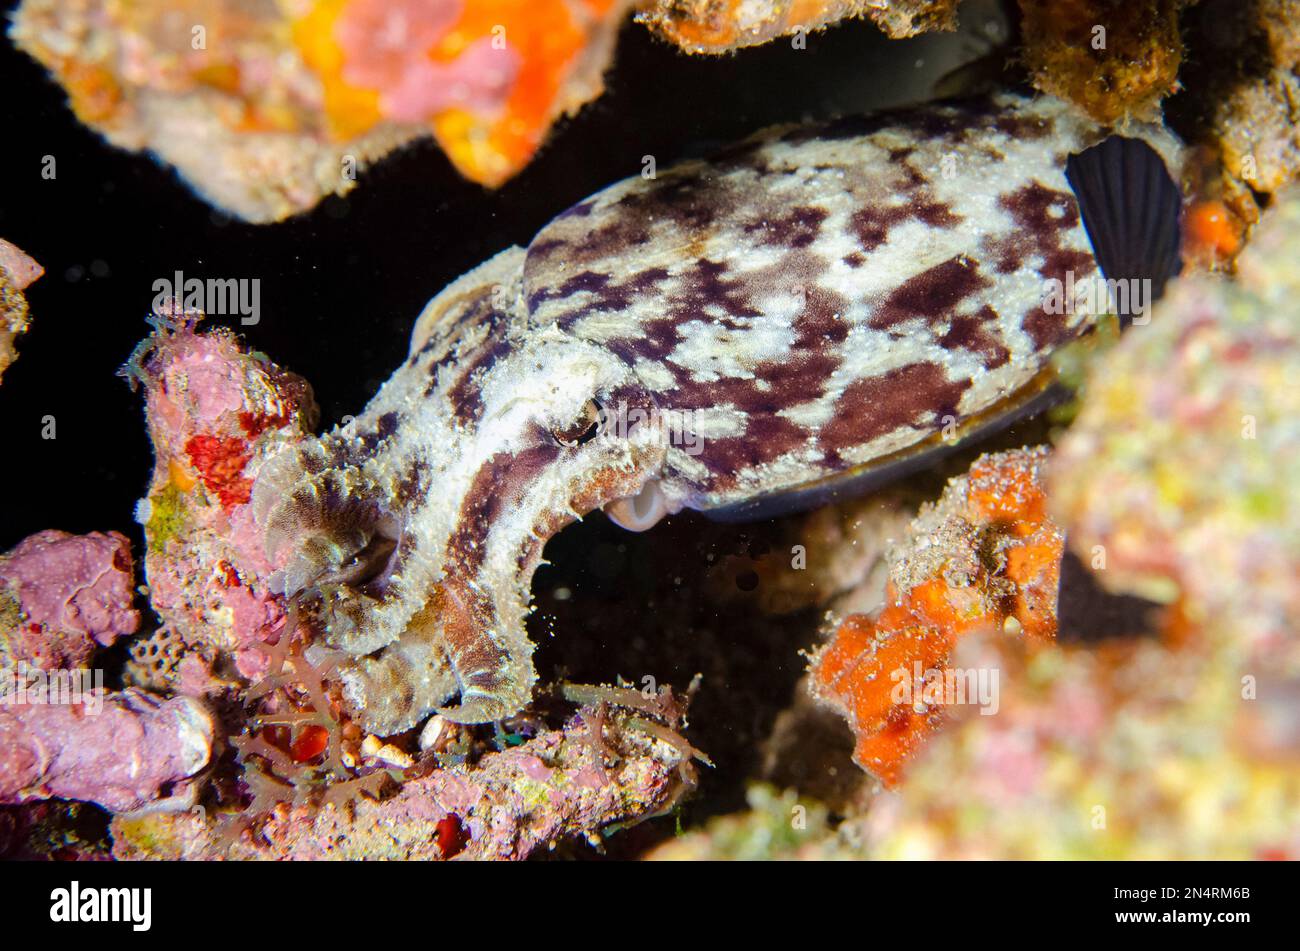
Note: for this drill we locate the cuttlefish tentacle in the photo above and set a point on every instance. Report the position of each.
(817, 304)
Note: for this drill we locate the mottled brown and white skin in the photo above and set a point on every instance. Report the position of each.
(811, 307)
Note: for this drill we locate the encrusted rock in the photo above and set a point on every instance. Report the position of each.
(67, 596)
(122, 750)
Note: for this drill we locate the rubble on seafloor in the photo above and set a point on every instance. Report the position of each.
(17, 271)
(268, 108)
(583, 781)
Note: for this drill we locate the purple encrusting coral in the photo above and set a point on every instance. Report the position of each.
(62, 597)
(73, 595)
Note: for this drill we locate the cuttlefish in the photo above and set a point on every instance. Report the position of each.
(810, 313)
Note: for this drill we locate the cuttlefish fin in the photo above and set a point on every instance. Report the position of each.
(1132, 211)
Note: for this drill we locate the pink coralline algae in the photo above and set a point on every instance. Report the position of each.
(214, 414)
(386, 48)
(122, 751)
(66, 596)
(19, 266)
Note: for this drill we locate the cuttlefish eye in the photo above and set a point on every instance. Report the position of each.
(374, 547)
(581, 430)
(369, 563)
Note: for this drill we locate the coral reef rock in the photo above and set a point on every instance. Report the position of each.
(121, 750)
(64, 596)
(601, 771)
(17, 271)
(1178, 478)
(777, 826)
(267, 108)
(1129, 750)
(1242, 101)
(214, 414)
(719, 26)
(985, 557)
(1113, 60)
